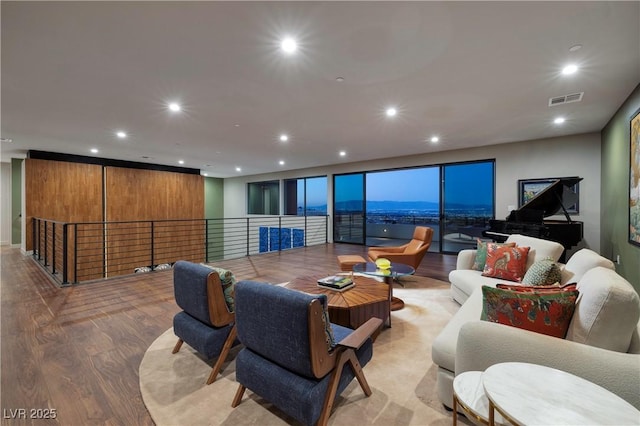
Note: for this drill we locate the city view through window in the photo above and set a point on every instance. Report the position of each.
(378, 208)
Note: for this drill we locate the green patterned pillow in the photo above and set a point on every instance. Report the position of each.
(543, 272)
(328, 331)
(481, 253)
(228, 281)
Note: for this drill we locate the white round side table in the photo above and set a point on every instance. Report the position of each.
(530, 394)
(468, 394)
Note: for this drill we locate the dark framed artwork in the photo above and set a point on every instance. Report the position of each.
(529, 188)
(634, 179)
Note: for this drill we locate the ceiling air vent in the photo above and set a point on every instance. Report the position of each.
(566, 99)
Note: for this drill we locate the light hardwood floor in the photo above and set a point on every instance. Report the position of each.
(77, 349)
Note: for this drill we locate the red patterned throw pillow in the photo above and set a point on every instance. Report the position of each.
(481, 253)
(537, 288)
(507, 263)
(547, 311)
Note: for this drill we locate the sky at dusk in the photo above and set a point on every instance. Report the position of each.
(469, 183)
(404, 185)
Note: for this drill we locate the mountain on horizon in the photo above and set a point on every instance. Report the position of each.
(372, 206)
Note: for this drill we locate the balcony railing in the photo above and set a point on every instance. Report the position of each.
(80, 252)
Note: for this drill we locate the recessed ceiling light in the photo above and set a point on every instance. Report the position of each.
(343, 153)
(435, 139)
(559, 120)
(180, 161)
(284, 138)
(94, 151)
(339, 79)
(391, 112)
(236, 125)
(121, 134)
(281, 162)
(175, 107)
(289, 45)
(575, 48)
(569, 69)
(205, 174)
(238, 169)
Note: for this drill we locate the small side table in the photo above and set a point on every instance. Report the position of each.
(534, 394)
(468, 394)
(396, 271)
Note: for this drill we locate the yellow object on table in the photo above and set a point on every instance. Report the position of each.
(383, 263)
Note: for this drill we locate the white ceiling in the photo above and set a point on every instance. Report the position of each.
(474, 73)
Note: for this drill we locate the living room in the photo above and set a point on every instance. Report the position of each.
(596, 150)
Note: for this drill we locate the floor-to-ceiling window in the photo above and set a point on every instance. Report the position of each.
(306, 196)
(400, 200)
(348, 208)
(468, 203)
(384, 207)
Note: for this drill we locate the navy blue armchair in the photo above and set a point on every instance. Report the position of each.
(206, 323)
(293, 356)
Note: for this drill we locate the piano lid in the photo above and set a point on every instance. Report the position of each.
(555, 198)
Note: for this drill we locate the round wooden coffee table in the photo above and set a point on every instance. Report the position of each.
(351, 308)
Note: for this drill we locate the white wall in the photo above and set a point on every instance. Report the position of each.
(576, 155)
(5, 203)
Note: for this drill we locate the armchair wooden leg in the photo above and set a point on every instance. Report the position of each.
(177, 347)
(357, 370)
(238, 397)
(347, 356)
(223, 355)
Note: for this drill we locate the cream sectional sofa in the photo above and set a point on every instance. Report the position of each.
(465, 280)
(602, 344)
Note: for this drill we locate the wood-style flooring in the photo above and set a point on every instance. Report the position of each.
(75, 351)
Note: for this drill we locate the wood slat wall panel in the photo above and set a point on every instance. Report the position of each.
(73, 192)
(134, 194)
(57, 190)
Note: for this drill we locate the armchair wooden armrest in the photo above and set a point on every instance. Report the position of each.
(361, 334)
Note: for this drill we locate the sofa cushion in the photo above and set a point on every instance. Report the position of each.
(505, 262)
(539, 249)
(481, 254)
(581, 261)
(465, 281)
(547, 312)
(443, 349)
(607, 311)
(543, 272)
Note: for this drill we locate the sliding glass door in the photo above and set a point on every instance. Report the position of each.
(384, 207)
(398, 201)
(467, 204)
(349, 208)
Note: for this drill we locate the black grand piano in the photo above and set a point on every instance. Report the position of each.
(529, 219)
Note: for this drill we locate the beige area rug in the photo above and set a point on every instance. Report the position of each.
(401, 375)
